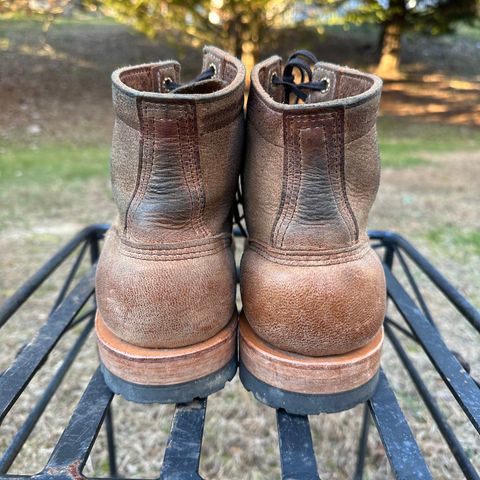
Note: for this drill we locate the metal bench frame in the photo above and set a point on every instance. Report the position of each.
(182, 454)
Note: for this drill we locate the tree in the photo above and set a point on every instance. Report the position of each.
(47, 9)
(433, 17)
(239, 26)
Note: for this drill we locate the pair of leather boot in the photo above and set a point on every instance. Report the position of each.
(313, 290)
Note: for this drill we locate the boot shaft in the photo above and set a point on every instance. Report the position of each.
(312, 169)
(176, 154)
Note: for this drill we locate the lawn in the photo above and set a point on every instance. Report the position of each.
(55, 127)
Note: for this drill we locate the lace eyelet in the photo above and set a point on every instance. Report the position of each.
(327, 81)
(214, 67)
(166, 81)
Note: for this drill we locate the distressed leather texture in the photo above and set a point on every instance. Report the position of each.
(166, 275)
(310, 282)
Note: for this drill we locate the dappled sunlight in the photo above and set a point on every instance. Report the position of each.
(433, 98)
(48, 52)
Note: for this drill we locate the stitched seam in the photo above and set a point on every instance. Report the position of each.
(334, 182)
(218, 124)
(306, 250)
(297, 177)
(315, 261)
(151, 146)
(195, 174)
(343, 182)
(166, 258)
(127, 219)
(169, 247)
(286, 180)
(297, 123)
(185, 173)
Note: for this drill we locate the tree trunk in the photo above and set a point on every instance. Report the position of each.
(389, 65)
(391, 40)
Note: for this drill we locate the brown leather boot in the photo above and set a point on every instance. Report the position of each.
(313, 290)
(166, 320)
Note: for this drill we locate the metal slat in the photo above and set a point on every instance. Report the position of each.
(391, 239)
(297, 457)
(73, 447)
(16, 378)
(455, 446)
(182, 455)
(400, 446)
(13, 303)
(454, 375)
(24, 431)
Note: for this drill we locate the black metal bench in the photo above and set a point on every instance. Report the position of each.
(182, 454)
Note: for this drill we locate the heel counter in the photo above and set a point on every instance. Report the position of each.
(164, 303)
(314, 310)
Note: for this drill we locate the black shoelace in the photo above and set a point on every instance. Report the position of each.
(302, 61)
(205, 75)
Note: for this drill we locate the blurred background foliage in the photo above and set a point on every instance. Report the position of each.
(241, 26)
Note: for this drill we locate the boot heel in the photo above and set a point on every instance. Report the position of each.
(307, 385)
(167, 375)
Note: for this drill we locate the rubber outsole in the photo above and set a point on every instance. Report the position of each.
(304, 403)
(179, 393)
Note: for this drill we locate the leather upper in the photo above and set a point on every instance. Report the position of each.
(175, 156)
(166, 276)
(312, 170)
(310, 282)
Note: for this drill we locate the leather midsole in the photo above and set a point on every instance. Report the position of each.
(165, 366)
(304, 374)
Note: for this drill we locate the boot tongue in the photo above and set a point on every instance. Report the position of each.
(203, 86)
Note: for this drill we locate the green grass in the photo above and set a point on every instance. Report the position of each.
(453, 240)
(20, 20)
(405, 144)
(47, 162)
